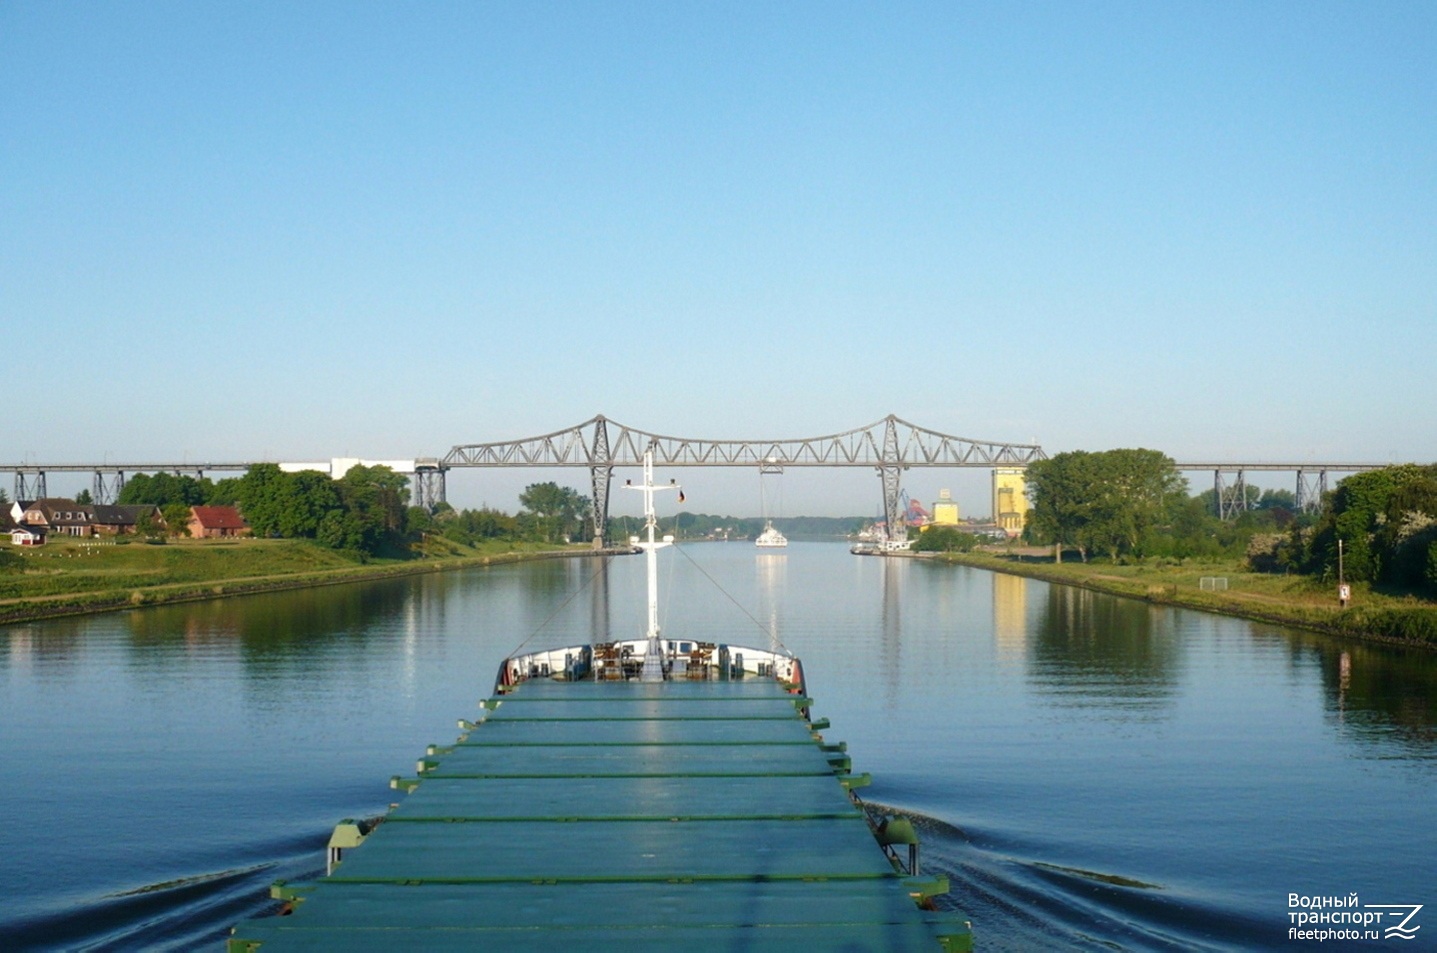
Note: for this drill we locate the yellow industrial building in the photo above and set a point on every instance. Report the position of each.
(1010, 500)
(945, 510)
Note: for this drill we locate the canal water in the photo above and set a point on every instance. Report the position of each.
(1092, 773)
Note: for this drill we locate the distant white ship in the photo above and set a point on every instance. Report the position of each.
(770, 538)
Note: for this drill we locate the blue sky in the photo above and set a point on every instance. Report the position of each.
(308, 230)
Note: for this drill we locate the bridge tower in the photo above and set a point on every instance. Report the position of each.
(428, 483)
(1311, 488)
(107, 487)
(30, 485)
(1229, 500)
(890, 470)
(601, 472)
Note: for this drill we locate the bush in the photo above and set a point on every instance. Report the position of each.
(945, 539)
(1263, 550)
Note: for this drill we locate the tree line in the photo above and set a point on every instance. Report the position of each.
(1134, 503)
(1386, 521)
(365, 512)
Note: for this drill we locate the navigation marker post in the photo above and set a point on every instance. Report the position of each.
(1344, 591)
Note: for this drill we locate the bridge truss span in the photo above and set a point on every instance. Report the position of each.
(603, 442)
(889, 446)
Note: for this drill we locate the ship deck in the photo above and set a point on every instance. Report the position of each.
(619, 816)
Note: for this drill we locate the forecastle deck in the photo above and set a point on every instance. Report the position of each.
(620, 816)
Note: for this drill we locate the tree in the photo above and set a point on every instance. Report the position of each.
(1136, 491)
(1061, 491)
(177, 518)
(305, 498)
(84, 498)
(945, 539)
(147, 527)
(1109, 501)
(290, 505)
(1377, 515)
(224, 492)
(375, 501)
(1277, 499)
(162, 489)
(260, 496)
(341, 530)
(469, 526)
(555, 512)
(420, 521)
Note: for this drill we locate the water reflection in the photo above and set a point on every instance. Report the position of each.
(772, 579)
(273, 630)
(890, 664)
(555, 592)
(1379, 693)
(44, 649)
(1010, 615)
(600, 619)
(1089, 649)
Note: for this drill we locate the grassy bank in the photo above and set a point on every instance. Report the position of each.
(72, 576)
(1286, 600)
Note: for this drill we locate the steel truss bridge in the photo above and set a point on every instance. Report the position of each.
(888, 446)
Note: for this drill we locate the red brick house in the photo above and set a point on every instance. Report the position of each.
(60, 516)
(209, 522)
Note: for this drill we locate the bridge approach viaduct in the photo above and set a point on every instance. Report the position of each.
(888, 446)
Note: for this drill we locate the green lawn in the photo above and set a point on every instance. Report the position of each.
(65, 566)
(69, 575)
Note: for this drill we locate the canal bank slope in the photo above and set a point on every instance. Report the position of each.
(76, 578)
(1284, 600)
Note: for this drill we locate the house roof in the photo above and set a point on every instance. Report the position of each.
(59, 511)
(218, 517)
(26, 529)
(127, 514)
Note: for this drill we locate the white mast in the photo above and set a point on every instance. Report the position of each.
(653, 670)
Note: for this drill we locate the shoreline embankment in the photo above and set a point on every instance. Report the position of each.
(1399, 624)
(37, 608)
